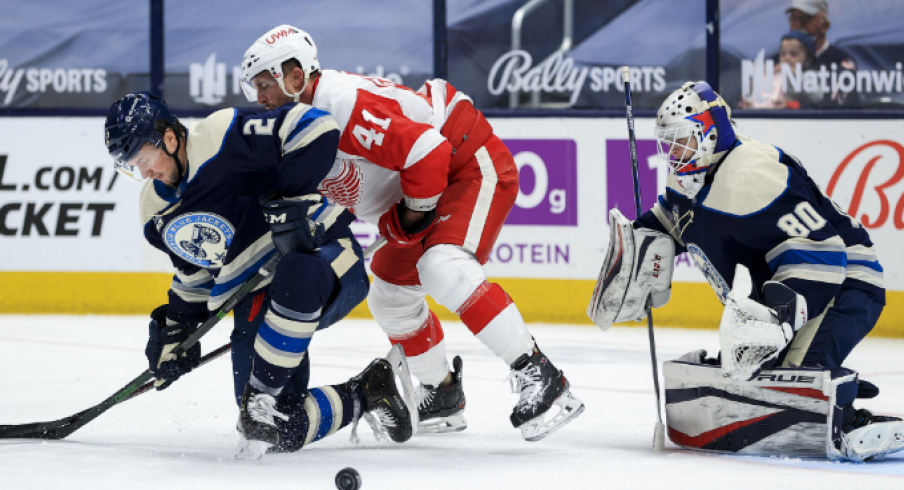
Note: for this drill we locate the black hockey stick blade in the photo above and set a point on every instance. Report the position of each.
(59, 429)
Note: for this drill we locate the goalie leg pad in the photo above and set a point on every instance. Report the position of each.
(781, 412)
(638, 265)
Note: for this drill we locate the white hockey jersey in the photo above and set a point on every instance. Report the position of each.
(391, 146)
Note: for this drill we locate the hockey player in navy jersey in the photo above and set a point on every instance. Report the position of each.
(799, 278)
(221, 199)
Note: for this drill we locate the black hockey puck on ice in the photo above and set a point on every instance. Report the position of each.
(348, 479)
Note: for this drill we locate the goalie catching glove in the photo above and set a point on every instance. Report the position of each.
(753, 335)
(638, 265)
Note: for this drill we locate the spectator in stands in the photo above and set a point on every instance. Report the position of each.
(796, 47)
(812, 17)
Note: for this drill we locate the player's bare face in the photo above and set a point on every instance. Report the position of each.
(269, 93)
(153, 163)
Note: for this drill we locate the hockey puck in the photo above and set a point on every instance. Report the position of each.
(348, 479)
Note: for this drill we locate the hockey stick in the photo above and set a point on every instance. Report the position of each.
(659, 432)
(49, 430)
(58, 429)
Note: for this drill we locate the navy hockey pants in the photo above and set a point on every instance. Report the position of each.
(845, 324)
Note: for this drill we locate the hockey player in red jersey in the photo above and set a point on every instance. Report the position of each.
(427, 169)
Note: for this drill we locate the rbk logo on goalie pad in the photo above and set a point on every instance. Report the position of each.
(200, 238)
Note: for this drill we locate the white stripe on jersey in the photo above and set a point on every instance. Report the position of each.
(484, 200)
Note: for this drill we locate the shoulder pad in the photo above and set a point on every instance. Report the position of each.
(205, 139)
(302, 125)
(150, 204)
(749, 179)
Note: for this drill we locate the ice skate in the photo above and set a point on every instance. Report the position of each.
(541, 387)
(257, 424)
(386, 411)
(441, 409)
(869, 437)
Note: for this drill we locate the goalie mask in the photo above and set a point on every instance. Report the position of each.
(271, 50)
(693, 128)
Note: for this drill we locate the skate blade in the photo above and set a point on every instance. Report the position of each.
(396, 358)
(443, 425)
(569, 407)
(250, 450)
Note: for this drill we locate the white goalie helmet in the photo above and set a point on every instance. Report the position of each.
(271, 50)
(693, 128)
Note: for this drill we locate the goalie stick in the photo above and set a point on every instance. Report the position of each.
(659, 432)
(59, 429)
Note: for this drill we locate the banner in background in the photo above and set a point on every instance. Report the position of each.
(63, 208)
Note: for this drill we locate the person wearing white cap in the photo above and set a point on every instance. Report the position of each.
(812, 17)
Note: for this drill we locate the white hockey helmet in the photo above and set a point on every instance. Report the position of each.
(693, 111)
(271, 50)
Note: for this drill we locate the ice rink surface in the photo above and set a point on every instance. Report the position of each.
(184, 437)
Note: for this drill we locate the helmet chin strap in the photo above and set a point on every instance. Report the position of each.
(175, 155)
(295, 96)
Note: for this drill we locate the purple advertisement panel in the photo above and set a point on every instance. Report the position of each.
(548, 179)
(620, 183)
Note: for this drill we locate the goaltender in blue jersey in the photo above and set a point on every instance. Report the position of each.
(799, 278)
(222, 198)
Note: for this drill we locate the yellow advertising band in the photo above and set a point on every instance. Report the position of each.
(693, 305)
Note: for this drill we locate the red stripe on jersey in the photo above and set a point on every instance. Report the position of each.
(710, 436)
(421, 340)
(484, 304)
(807, 392)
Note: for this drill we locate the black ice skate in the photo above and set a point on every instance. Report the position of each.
(257, 424)
(441, 409)
(869, 437)
(541, 387)
(386, 411)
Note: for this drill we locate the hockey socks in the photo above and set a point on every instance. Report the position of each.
(425, 350)
(493, 318)
(321, 412)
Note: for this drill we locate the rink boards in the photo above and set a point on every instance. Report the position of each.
(72, 241)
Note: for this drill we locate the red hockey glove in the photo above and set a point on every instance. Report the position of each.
(398, 236)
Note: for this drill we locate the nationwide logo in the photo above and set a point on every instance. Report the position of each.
(758, 79)
(50, 80)
(209, 82)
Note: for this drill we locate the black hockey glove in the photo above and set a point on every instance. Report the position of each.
(162, 339)
(291, 223)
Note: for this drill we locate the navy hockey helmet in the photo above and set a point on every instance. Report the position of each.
(132, 122)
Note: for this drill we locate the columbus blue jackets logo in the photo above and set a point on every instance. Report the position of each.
(200, 238)
(709, 271)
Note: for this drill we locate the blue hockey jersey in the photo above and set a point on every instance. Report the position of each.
(212, 224)
(759, 208)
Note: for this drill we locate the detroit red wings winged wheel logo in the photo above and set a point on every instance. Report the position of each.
(344, 184)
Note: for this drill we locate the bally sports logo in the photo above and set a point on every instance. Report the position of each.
(867, 179)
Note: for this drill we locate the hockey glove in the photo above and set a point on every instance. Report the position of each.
(399, 236)
(162, 340)
(292, 222)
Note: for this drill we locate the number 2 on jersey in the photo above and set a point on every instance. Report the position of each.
(369, 136)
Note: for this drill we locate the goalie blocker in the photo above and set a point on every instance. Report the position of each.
(638, 265)
(780, 412)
